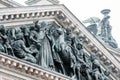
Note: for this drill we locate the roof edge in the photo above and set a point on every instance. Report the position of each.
(11, 3)
(30, 2)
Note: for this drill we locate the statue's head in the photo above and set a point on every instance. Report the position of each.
(43, 24)
(2, 29)
(68, 30)
(60, 31)
(79, 46)
(19, 36)
(107, 72)
(24, 29)
(57, 32)
(77, 33)
(37, 26)
(92, 57)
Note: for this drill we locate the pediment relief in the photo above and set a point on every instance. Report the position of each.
(63, 17)
(48, 45)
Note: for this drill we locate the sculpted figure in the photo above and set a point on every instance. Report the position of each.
(105, 28)
(34, 37)
(45, 52)
(11, 35)
(82, 68)
(93, 27)
(96, 69)
(57, 39)
(80, 58)
(106, 75)
(35, 41)
(12, 32)
(26, 35)
(69, 57)
(5, 47)
(1, 40)
(21, 51)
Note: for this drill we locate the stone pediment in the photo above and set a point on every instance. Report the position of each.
(10, 17)
(9, 3)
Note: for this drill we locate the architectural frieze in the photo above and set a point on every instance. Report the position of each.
(64, 17)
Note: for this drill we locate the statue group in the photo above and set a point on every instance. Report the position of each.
(53, 47)
(102, 28)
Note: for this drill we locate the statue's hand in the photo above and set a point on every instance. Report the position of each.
(5, 37)
(1, 35)
(8, 46)
(39, 43)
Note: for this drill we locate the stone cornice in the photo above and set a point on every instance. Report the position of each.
(114, 51)
(66, 18)
(25, 67)
(30, 2)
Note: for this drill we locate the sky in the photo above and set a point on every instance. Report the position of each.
(84, 9)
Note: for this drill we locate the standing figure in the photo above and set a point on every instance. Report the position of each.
(35, 41)
(69, 53)
(81, 66)
(105, 25)
(57, 39)
(45, 53)
(96, 69)
(106, 29)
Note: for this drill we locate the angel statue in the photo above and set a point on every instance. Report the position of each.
(93, 24)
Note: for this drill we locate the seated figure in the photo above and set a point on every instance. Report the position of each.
(4, 42)
(21, 51)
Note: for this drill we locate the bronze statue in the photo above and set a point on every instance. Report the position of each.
(57, 39)
(21, 51)
(68, 53)
(5, 46)
(45, 52)
(96, 69)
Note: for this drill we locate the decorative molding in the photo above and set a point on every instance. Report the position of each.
(30, 69)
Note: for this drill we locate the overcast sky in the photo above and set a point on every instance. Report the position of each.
(83, 9)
